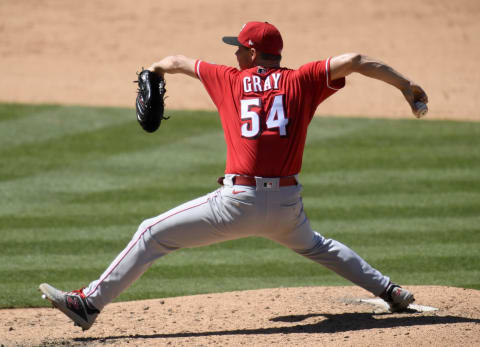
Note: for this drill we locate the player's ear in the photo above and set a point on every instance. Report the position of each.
(254, 54)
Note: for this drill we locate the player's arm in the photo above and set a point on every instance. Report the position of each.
(174, 64)
(345, 64)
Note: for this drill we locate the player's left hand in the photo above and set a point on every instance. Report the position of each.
(150, 100)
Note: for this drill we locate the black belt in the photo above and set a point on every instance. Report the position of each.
(250, 181)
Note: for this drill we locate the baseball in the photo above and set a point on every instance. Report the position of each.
(421, 109)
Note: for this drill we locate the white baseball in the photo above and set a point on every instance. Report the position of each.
(421, 109)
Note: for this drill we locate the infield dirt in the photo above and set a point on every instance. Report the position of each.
(52, 51)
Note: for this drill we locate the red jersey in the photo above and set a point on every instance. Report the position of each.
(265, 113)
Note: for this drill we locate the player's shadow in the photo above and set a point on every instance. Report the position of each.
(334, 323)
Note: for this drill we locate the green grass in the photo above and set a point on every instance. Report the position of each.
(75, 182)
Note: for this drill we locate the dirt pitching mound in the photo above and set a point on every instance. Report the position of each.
(311, 316)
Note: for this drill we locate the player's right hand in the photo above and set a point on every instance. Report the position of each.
(414, 93)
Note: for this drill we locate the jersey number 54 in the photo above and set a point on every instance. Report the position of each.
(275, 120)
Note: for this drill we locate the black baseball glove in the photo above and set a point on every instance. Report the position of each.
(150, 103)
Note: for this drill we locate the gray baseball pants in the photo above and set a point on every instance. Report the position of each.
(232, 212)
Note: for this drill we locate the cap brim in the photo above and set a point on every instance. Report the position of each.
(231, 40)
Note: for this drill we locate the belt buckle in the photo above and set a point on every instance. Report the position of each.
(267, 184)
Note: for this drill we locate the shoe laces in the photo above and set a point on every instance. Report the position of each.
(79, 292)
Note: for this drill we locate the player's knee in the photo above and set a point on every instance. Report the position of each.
(153, 241)
(147, 223)
(141, 230)
(315, 246)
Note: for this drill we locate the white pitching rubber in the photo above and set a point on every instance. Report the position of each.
(382, 304)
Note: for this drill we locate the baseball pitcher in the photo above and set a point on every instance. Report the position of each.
(265, 110)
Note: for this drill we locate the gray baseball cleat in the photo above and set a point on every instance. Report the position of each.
(397, 298)
(73, 304)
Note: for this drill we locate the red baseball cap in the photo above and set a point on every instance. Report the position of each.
(262, 36)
